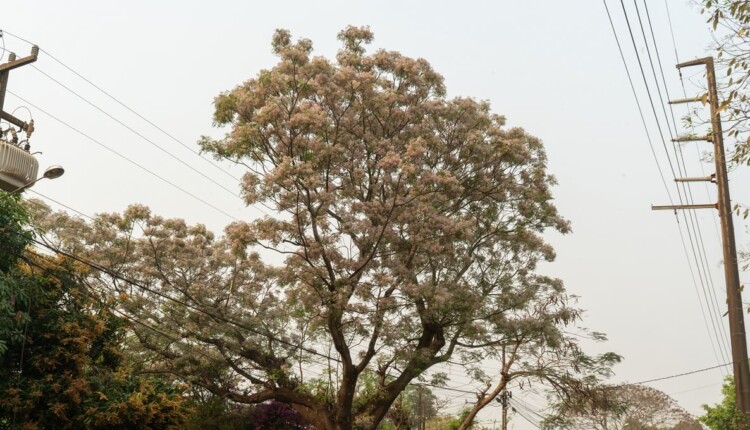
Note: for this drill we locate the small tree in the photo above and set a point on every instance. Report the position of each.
(415, 405)
(724, 415)
(60, 361)
(621, 407)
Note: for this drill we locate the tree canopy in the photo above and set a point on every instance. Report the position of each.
(409, 227)
(626, 407)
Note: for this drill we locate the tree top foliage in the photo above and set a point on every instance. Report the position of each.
(409, 225)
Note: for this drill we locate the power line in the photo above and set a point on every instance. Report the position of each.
(678, 148)
(527, 408)
(134, 131)
(195, 308)
(709, 293)
(100, 268)
(63, 205)
(714, 314)
(678, 375)
(638, 103)
(137, 321)
(695, 389)
(517, 410)
(684, 94)
(129, 160)
(648, 92)
(700, 303)
(717, 338)
(116, 100)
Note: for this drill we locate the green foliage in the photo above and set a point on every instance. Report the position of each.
(730, 20)
(210, 412)
(62, 367)
(450, 422)
(724, 415)
(13, 238)
(415, 402)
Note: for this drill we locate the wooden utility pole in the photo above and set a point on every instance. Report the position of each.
(5, 69)
(505, 396)
(420, 409)
(731, 271)
(724, 205)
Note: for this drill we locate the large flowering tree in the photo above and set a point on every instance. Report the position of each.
(410, 228)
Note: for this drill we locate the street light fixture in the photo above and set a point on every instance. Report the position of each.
(52, 172)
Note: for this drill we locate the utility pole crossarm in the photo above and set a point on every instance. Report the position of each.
(696, 62)
(692, 138)
(687, 100)
(710, 178)
(675, 207)
(14, 64)
(15, 121)
(735, 311)
(5, 69)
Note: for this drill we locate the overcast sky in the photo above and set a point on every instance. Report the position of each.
(551, 67)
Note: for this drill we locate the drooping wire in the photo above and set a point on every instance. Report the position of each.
(695, 237)
(516, 408)
(664, 144)
(648, 92)
(62, 205)
(700, 244)
(31, 116)
(697, 292)
(137, 133)
(715, 337)
(136, 284)
(2, 39)
(116, 100)
(100, 268)
(518, 403)
(129, 160)
(687, 110)
(112, 307)
(638, 105)
(679, 375)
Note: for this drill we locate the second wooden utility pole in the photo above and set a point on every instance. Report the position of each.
(504, 399)
(729, 248)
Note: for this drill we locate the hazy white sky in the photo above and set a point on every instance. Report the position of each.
(551, 67)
